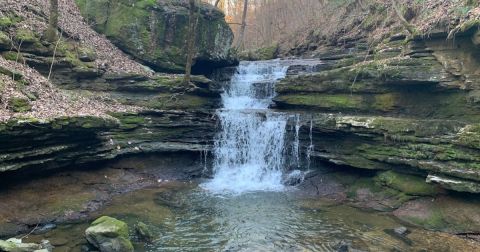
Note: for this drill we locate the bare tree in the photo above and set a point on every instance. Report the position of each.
(216, 3)
(190, 43)
(51, 33)
(402, 19)
(241, 43)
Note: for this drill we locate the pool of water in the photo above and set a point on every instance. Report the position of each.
(184, 217)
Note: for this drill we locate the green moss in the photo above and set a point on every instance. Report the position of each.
(26, 36)
(5, 42)
(433, 220)
(333, 102)
(129, 120)
(12, 56)
(175, 101)
(385, 102)
(86, 54)
(264, 53)
(362, 183)
(473, 23)
(144, 31)
(5, 22)
(70, 53)
(409, 184)
(109, 221)
(18, 104)
(470, 136)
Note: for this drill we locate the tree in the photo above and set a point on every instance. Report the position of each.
(243, 26)
(216, 3)
(51, 33)
(410, 28)
(192, 24)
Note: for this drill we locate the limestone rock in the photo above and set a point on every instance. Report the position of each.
(155, 31)
(16, 245)
(455, 184)
(109, 235)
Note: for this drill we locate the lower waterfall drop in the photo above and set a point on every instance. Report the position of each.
(252, 147)
(249, 150)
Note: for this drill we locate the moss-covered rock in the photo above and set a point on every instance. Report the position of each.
(13, 56)
(5, 41)
(26, 36)
(409, 184)
(455, 184)
(144, 232)
(156, 31)
(86, 54)
(5, 22)
(447, 214)
(109, 235)
(19, 104)
(16, 245)
(264, 53)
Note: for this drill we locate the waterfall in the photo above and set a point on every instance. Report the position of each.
(252, 145)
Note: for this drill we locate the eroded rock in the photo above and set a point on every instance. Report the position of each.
(155, 31)
(109, 235)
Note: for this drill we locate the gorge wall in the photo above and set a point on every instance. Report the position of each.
(121, 107)
(406, 112)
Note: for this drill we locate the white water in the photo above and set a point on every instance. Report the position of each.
(251, 148)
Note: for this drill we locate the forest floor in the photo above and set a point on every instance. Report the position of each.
(50, 101)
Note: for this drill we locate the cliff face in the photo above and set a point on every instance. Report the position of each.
(409, 105)
(155, 32)
(81, 99)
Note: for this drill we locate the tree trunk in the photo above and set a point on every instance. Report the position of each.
(52, 31)
(216, 3)
(410, 28)
(190, 43)
(244, 25)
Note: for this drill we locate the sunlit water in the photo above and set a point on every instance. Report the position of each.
(251, 149)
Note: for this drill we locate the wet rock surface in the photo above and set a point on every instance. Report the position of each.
(39, 204)
(406, 106)
(109, 235)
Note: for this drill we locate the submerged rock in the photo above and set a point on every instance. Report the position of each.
(400, 230)
(109, 235)
(16, 245)
(144, 232)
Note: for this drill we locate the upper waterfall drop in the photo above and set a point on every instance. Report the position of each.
(251, 148)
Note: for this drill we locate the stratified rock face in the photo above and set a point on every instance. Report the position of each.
(155, 31)
(409, 106)
(34, 145)
(109, 235)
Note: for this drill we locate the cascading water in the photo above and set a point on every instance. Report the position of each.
(250, 150)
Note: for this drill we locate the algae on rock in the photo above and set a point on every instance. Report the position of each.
(109, 235)
(155, 32)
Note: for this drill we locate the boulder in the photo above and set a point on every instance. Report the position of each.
(16, 245)
(109, 235)
(155, 31)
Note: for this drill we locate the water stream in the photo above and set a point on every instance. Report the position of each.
(246, 206)
(251, 148)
